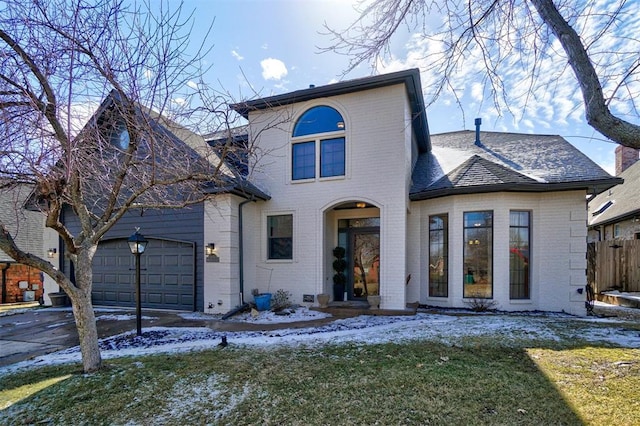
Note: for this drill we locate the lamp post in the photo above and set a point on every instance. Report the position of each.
(137, 245)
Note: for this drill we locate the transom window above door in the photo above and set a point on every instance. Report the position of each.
(318, 144)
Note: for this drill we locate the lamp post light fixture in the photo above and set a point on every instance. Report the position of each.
(137, 245)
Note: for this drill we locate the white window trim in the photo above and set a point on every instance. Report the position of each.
(265, 237)
(316, 138)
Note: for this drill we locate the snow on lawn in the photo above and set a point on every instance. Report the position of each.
(447, 327)
(122, 317)
(269, 317)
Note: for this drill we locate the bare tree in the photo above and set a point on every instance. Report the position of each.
(59, 60)
(598, 40)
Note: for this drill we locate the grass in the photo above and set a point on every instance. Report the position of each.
(476, 381)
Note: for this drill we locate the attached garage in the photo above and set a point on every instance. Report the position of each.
(167, 276)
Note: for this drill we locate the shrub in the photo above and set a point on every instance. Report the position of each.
(481, 304)
(280, 300)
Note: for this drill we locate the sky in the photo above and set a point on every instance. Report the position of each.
(267, 47)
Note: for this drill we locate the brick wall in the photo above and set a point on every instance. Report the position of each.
(625, 158)
(17, 273)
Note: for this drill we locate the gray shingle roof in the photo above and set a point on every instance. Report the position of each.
(503, 162)
(26, 227)
(625, 199)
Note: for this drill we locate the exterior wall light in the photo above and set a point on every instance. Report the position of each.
(51, 253)
(211, 252)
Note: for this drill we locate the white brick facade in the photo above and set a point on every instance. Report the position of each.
(380, 155)
(557, 255)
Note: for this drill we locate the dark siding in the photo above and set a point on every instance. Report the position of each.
(183, 225)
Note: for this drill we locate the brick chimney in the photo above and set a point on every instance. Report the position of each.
(625, 158)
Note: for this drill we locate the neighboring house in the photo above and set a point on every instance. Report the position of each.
(20, 282)
(614, 230)
(437, 219)
(615, 214)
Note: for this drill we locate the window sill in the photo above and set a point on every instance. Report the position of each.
(341, 177)
(520, 301)
(297, 181)
(322, 179)
(279, 261)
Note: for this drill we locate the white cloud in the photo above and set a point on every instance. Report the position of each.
(192, 84)
(273, 69)
(236, 55)
(477, 91)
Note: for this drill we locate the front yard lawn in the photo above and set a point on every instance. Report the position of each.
(472, 381)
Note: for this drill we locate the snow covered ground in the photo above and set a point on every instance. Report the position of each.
(449, 327)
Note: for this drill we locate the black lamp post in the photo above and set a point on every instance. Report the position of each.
(137, 244)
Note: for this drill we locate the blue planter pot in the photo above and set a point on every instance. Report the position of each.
(263, 301)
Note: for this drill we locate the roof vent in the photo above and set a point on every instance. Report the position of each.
(478, 122)
(312, 86)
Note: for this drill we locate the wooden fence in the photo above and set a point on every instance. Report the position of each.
(614, 265)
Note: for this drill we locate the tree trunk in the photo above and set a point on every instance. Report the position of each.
(83, 310)
(87, 331)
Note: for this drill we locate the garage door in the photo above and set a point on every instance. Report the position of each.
(167, 275)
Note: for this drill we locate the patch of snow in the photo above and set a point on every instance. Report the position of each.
(14, 311)
(123, 317)
(191, 392)
(287, 316)
(199, 316)
(58, 324)
(448, 158)
(626, 295)
(361, 330)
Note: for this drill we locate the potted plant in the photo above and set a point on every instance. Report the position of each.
(339, 278)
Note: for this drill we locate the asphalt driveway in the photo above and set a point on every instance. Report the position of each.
(27, 332)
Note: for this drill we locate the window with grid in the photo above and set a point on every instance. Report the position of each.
(280, 237)
(438, 256)
(318, 145)
(478, 254)
(519, 237)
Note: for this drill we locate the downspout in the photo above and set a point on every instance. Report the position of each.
(241, 247)
(242, 305)
(4, 282)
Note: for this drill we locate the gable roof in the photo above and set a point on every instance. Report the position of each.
(623, 200)
(26, 227)
(410, 78)
(503, 162)
(231, 180)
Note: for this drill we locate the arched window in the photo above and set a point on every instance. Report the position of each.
(318, 133)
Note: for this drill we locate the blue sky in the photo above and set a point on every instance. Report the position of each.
(265, 47)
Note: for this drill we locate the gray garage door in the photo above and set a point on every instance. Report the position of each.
(166, 278)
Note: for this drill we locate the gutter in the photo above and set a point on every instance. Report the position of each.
(511, 187)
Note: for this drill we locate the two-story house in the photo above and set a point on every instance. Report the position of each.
(437, 219)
